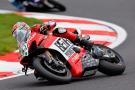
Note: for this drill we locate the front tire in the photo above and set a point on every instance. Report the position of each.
(111, 66)
(51, 75)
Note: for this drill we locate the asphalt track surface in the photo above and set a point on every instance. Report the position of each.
(120, 12)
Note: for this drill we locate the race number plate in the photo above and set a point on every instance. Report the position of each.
(65, 46)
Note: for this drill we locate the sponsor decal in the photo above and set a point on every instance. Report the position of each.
(101, 32)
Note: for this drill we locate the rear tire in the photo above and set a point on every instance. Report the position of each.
(111, 68)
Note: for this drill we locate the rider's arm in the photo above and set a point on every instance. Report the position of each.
(43, 28)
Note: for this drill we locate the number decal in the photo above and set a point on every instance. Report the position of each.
(65, 46)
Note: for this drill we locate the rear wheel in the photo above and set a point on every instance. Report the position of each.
(57, 5)
(111, 63)
(52, 69)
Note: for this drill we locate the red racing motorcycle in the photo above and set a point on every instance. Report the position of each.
(59, 60)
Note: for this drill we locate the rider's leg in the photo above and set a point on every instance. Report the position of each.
(87, 44)
(75, 38)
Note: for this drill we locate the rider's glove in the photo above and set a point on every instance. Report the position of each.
(43, 28)
(47, 27)
(51, 24)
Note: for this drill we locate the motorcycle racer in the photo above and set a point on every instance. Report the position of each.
(25, 5)
(21, 31)
(45, 28)
(19, 4)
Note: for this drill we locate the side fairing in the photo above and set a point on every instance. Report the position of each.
(65, 47)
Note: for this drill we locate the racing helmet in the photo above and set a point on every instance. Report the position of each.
(21, 31)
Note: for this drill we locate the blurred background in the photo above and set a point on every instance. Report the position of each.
(120, 12)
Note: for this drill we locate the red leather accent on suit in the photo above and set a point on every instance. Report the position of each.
(71, 29)
(36, 28)
(69, 35)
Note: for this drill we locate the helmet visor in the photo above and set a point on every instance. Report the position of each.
(21, 35)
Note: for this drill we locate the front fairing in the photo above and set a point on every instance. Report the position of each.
(35, 37)
(66, 49)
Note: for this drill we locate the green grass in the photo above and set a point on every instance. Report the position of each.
(7, 41)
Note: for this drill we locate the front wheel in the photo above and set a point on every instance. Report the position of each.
(52, 69)
(111, 63)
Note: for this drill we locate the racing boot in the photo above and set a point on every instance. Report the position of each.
(97, 52)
